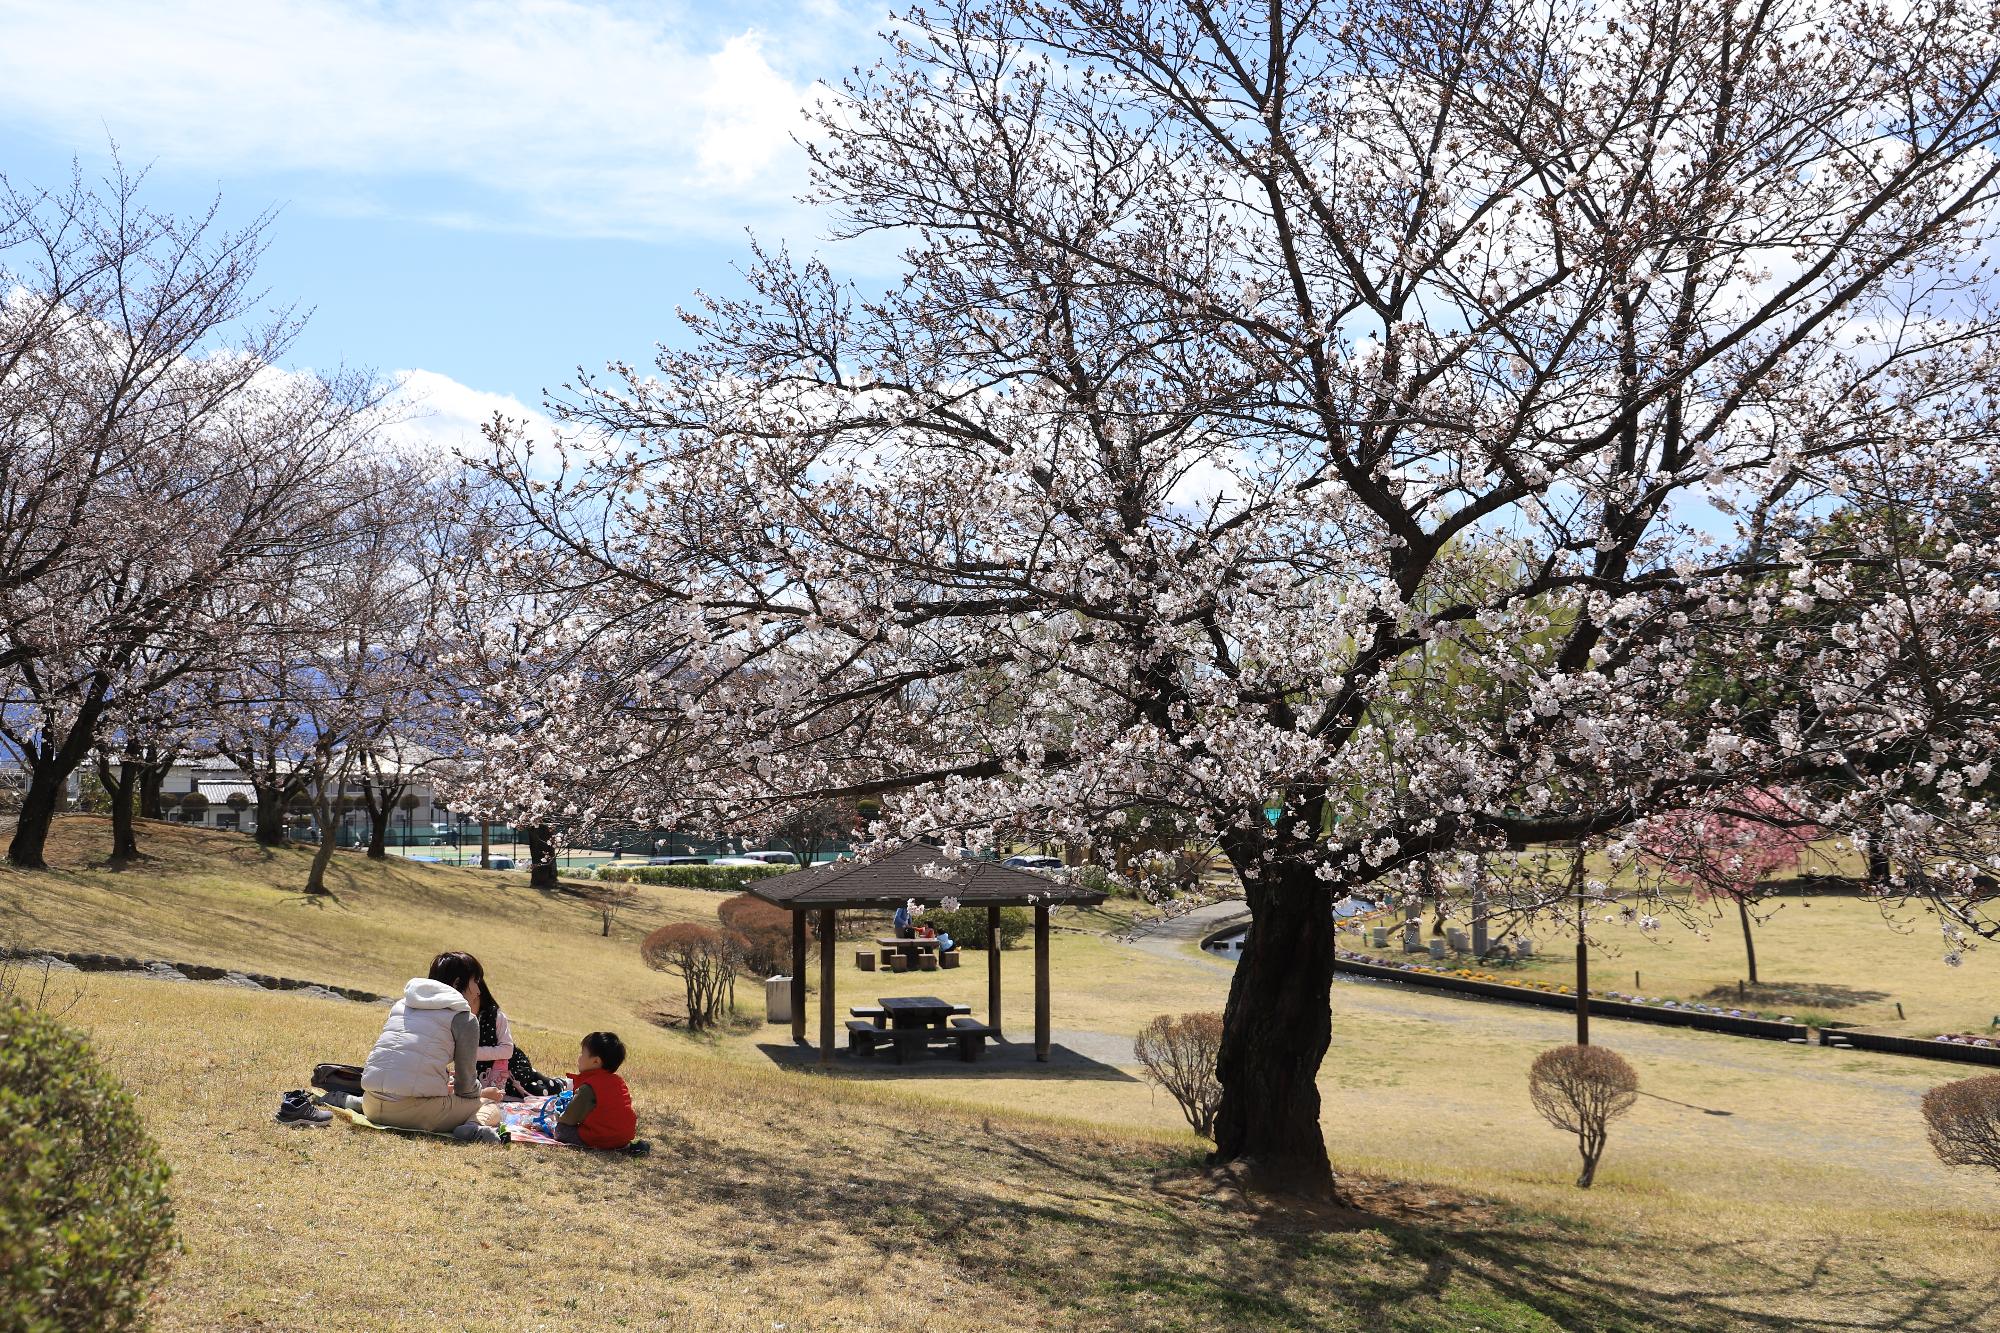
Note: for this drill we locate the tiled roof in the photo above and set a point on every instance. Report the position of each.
(889, 881)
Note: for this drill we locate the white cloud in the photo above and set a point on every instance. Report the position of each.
(434, 412)
(593, 117)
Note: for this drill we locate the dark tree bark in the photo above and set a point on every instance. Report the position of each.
(329, 832)
(121, 785)
(152, 778)
(271, 802)
(1276, 1028)
(542, 859)
(49, 769)
(1749, 943)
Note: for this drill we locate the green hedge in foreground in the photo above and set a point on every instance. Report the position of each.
(84, 1215)
(721, 879)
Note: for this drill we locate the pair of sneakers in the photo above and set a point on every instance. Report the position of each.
(299, 1108)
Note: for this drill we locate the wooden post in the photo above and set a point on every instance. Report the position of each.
(826, 955)
(993, 968)
(798, 974)
(1041, 981)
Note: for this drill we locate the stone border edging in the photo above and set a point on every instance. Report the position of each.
(104, 962)
(1644, 1013)
(1888, 1043)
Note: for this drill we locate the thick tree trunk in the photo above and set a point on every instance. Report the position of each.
(152, 778)
(378, 834)
(48, 778)
(1274, 1035)
(1749, 943)
(542, 860)
(38, 811)
(121, 786)
(271, 815)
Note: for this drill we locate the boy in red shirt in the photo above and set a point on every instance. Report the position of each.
(600, 1114)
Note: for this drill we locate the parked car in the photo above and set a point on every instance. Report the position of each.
(1033, 863)
(774, 858)
(501, 862)
(734, 861)
(676, 860)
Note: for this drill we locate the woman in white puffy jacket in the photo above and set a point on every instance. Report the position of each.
(423, 1072)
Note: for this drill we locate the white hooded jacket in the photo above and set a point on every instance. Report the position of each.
(414, 1054)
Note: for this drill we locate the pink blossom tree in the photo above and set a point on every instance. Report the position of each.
(1728, 850)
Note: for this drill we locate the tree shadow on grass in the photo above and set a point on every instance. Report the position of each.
(1803, 994)
(1111, 1238)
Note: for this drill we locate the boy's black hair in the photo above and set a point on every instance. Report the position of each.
(456, 969)
(609, 1051)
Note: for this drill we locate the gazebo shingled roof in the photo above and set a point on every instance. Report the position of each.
(889, 881)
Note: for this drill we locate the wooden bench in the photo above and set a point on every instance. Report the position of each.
(861, 1037)
(874, 1013)
(949, 958)
(899, 963)
(971, 1035)
(865, 959)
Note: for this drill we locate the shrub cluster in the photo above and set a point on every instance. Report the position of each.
(761, 931)
(967, 926)
(719, 879)
(84, 1215)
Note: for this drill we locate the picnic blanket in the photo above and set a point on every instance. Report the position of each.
(517, 1122)
(517, 1125)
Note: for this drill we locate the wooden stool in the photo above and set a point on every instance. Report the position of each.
(927, 963)
(865, 960)
(899, 964)
(949, 959)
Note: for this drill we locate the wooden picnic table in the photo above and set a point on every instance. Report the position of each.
(915, 1011)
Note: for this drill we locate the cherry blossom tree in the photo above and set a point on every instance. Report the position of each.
(1245, 358)
(1728, 851)
(154, 466)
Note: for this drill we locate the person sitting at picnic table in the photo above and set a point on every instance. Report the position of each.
(945, 943)
(424, 1070)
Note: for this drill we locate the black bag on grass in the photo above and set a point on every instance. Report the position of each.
(342, 1079)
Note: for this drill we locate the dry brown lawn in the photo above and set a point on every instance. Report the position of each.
(975, 1199)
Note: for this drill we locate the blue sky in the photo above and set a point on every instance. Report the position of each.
(479, 195)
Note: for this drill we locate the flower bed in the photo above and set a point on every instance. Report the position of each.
(1964, 1047)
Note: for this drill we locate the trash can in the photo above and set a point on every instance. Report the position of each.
(777, 999)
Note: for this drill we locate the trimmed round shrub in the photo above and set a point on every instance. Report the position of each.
(1963, 1121)
(1581, 1090)
(84, 1214)
(763, 931)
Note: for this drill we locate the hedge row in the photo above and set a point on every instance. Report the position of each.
(967, 926)
(719, 879)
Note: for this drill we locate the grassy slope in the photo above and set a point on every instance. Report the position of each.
(968, 1202)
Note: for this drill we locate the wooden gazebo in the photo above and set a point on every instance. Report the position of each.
(926, 875)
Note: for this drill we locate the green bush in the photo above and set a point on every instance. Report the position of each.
(719, 879)
(84, 1216)
(967, 926)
